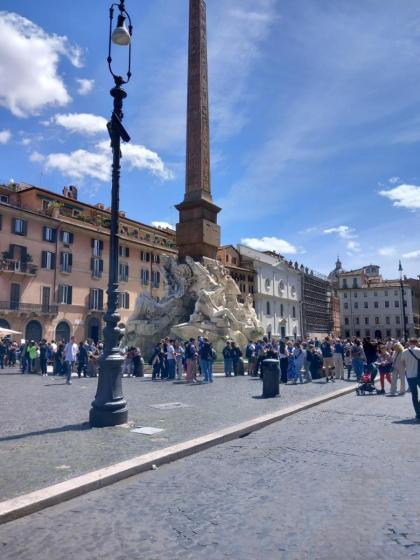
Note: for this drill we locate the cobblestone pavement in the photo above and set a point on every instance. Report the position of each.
(44, 436)
(340, 481)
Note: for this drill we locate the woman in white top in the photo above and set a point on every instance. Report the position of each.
(398, 370)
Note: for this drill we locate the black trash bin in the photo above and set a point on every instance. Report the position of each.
(271, 378)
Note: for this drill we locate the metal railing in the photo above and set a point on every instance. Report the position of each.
(50, 309)
(11, 265)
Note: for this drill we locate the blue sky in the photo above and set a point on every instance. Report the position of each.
(315, 118)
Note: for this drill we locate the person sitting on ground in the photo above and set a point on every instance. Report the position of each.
(315, 362)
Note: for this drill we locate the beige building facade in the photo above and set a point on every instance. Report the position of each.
(54, 252)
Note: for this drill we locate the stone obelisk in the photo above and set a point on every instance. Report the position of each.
(197, 233)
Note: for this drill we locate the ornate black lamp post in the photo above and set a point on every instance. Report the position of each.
(109, 407)
(404, 318)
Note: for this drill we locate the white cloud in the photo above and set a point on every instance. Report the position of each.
(387, 251)
(394, 180)
(404, 196)
(412, 255)
(25, 141)
(97, 163)
(162, 225)
(344, 232)
(36, 157)
(270, 244)
(5, 136)
(29, 59)
(84, 123)
(80, 164)
(353, 246)
(85, 86)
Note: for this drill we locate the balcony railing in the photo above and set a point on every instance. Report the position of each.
(18, 267)
(28, 307)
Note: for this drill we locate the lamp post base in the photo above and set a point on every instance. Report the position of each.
(109, 407)
(102, 418)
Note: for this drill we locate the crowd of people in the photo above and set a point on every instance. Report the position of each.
(333, 358)
(64, 358)
(397, 364)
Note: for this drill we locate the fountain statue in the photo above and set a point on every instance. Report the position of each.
(201, 300)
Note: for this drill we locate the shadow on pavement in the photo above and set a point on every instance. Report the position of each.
(407, 421)
(70, 428)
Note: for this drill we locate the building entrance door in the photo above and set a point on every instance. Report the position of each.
(93, 329)
(62, 332)
(33, 331)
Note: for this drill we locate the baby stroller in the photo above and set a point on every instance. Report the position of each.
(366, 385)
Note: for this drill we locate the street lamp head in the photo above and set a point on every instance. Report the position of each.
(400, 268)
(120, 35)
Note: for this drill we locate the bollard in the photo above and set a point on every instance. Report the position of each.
(271, 378)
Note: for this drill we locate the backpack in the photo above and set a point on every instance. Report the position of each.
(213, 354)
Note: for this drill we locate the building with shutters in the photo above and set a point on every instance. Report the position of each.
(277, 292)
(54, 263)
(373, 306)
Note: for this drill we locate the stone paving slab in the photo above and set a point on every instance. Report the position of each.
(339, 481)
(45, 437)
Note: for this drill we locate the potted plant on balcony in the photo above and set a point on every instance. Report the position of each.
(53, 208)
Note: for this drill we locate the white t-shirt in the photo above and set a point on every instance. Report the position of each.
(410, 362)
(170, 352)
(70, 351)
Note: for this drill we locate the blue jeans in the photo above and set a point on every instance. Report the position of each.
(171, 369)
(2, 361)
(414, 383)
(207, 369)
(68, 369)
(228, 366)
(358, 366)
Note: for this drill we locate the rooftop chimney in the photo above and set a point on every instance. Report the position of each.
(70, 192)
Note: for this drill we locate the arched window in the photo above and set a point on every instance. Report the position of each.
(4, 324)
(33, 331)
(62, 332)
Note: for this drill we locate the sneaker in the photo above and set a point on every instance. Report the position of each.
(68, 382)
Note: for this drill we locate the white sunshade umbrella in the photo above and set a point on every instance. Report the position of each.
(4, 331)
